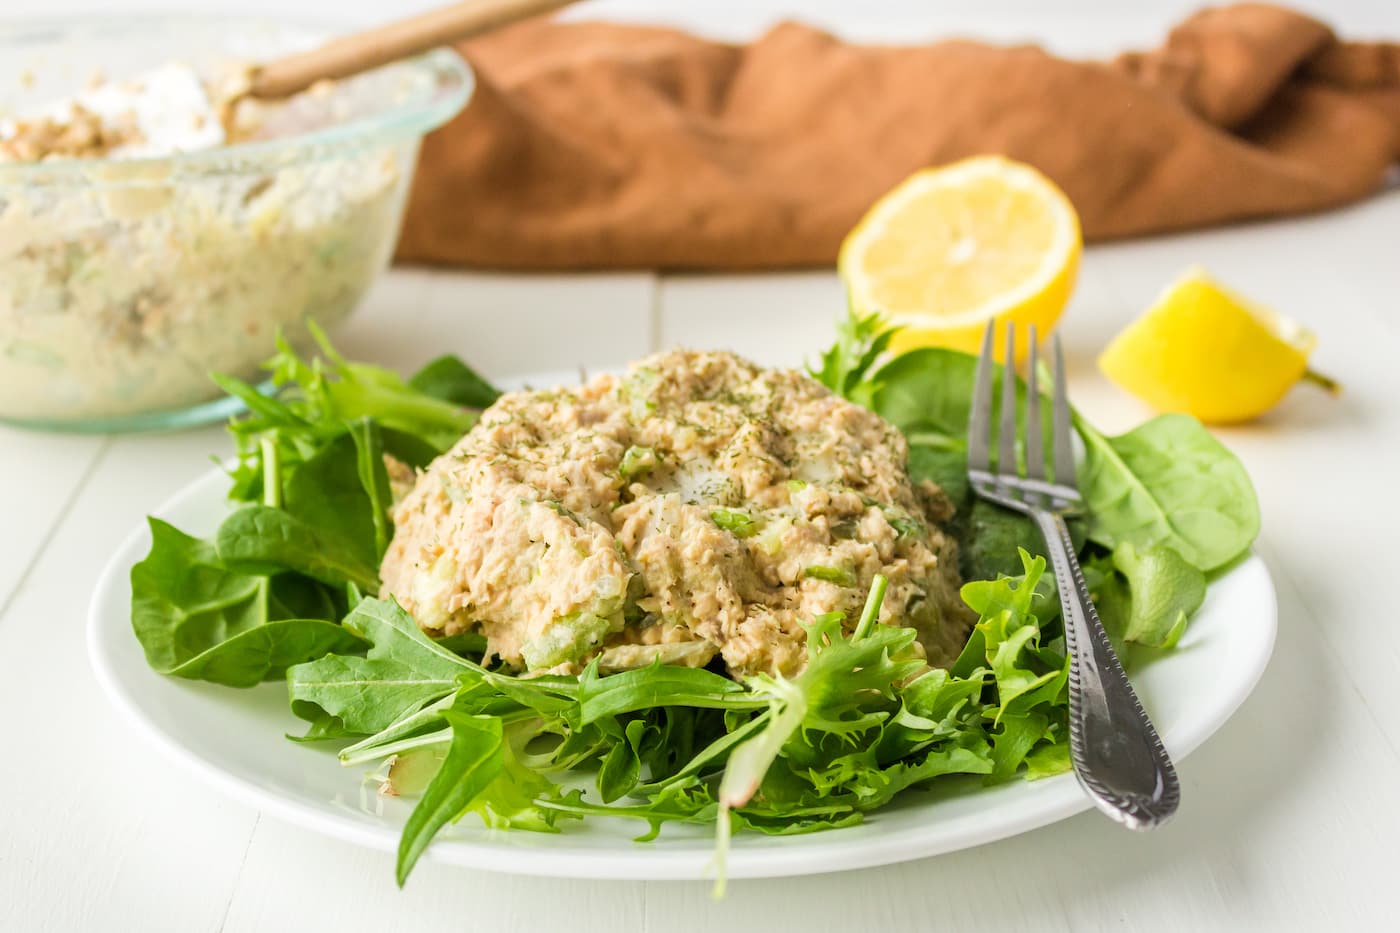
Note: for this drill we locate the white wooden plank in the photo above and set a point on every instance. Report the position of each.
(335, 886)
(776, 319)
(99, 829)
(39, 474)
(503, 324)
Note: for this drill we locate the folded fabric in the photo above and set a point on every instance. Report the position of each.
(591, 145)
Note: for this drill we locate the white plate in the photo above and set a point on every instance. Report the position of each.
(234, 740)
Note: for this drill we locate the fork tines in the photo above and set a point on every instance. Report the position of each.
(1031, 486)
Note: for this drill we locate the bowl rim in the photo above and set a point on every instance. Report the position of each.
(450, 86)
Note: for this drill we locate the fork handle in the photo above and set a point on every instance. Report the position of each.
(1116, 753)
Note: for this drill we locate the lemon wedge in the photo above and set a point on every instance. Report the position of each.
(954, 247)
(1208, 352)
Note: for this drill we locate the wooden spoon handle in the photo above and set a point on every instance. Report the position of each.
(381, 45)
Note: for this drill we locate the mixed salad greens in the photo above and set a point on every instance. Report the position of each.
(284, 590)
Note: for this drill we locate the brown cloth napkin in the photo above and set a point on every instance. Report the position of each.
(603, 146)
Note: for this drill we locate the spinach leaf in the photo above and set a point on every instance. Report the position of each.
(991, 538)
(198, 619)
(412, 450)
(330, 492)
(464, 644)
(261, 540)
(451, 380)
(927, 393)
(265, 652)
(1168, 482)
(292, 596)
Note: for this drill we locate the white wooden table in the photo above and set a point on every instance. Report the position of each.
(1290, 812)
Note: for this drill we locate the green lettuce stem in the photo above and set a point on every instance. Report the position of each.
(871, 613)
(272, 473)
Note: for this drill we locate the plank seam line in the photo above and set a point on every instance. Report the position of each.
(1275, 563)
(238, 875)
(63, 512)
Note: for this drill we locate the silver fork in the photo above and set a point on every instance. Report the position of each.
(1116, 753)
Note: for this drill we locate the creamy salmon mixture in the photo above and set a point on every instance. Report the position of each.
(699, 506)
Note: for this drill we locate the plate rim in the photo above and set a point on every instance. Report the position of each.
(1063, 797)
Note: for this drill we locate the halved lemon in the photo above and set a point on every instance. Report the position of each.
(954, 247)
(1208, 352)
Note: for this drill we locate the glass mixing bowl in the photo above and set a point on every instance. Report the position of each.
(124, 283)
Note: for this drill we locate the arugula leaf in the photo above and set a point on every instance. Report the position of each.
(402, 672)
(518, 797)
(622, 766)
(657, 685)
(1168, 482)
(315, 402)
(473, 761)
(339, 390)
(197, 618)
